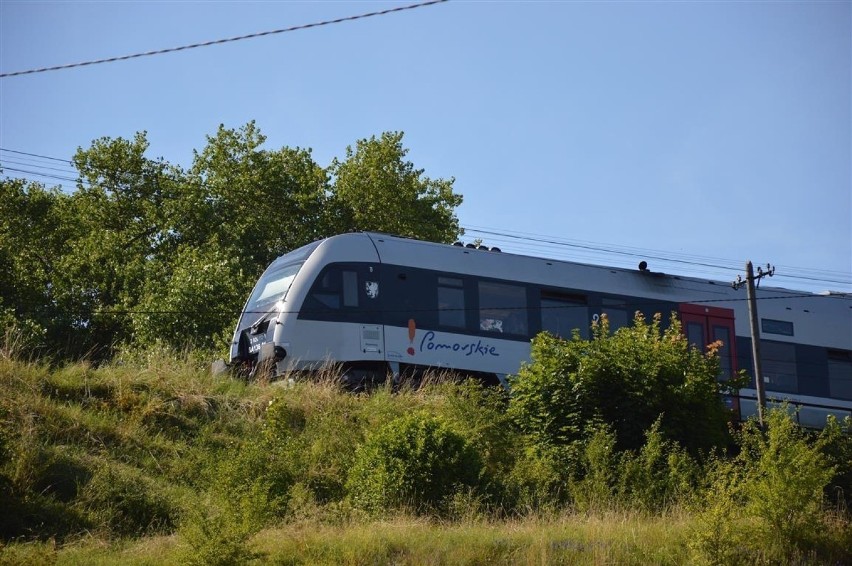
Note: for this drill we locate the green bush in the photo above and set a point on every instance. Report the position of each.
(478, 414)
(540, 477)
(600, 470)
(415, 462)
(216, 533)
(767, 505)
(836, 446)
(656, 477)
(625, 380)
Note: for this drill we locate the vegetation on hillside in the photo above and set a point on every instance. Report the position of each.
(155, 454)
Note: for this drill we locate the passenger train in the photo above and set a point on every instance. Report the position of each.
(382, 305)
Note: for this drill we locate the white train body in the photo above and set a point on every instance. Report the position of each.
(380, 304)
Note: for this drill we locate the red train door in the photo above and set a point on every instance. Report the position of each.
(704, 325)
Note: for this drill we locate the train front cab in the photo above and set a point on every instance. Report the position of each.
(705, 325)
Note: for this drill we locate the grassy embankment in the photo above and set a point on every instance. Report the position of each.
(155, 461)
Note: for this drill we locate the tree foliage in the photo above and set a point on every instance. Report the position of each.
(375, 188)
(627, 380)
(34, 231)
(144, 251)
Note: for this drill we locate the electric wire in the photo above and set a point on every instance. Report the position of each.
(225, 40)
(527, 243)
(33, 164)
(822, 276)
(47, 175)
(718, 263)
(36, 155)
(631, 303)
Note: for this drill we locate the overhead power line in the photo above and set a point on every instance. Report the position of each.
(628, 303)
(25, 163)
(46, 175)
(225, 40)
(517, 242)
(821, 276)
(35, 155)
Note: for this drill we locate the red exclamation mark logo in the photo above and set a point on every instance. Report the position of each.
(412, 329)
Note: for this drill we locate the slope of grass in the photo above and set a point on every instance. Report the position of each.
(155, 461)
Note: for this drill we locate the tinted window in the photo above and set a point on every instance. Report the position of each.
(695, 335)
(562, 313)
(344, 293)
(782, 327)
(723, 334)
(451, 309)
(779, 366)
(840, 375)
(502, 308)
(350, 288)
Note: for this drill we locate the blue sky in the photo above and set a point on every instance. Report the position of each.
(684, 133)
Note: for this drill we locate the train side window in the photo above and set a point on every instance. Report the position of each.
(335, 295)
(502, 308)
(723, 334)
(840, 374)
(409, 294)
(326, 290)
(779, 366)
(695, 335)
(350, 288)
(451, 309)
(561, 313)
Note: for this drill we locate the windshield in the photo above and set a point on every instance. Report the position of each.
(273, 286)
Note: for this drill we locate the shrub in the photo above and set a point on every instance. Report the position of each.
(539, 479)
(836, 446)
(215, 533)
(478, 414)
(767, 505)
(657, 476)
(414, 462)
(600, 470)
(625, 380)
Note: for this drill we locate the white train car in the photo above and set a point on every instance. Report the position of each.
(382, 305)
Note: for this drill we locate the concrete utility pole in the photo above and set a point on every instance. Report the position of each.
(755, 330)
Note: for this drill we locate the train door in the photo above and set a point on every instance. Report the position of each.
(704, 325)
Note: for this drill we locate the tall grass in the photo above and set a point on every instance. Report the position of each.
(153, 460)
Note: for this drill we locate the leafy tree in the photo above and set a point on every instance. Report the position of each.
(119, 225)
(375, 188)
(192, 299)
(34, 230)
(625, 380)
(145, 251)
(257, 203)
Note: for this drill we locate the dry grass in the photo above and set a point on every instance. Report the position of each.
(621, 538)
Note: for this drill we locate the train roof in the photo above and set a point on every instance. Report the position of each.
(818, 318)
(381, 236)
